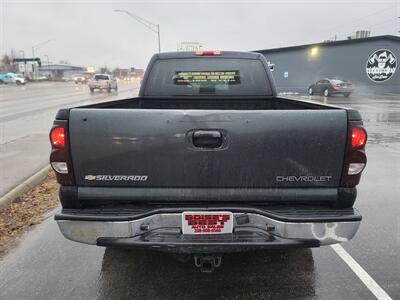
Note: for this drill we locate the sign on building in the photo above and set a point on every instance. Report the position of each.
(21, 67)
(189, 46)
(381, 65)
(90, 70)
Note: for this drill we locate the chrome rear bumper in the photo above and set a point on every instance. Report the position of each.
(143, 231)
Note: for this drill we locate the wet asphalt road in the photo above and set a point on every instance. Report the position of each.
(46, 266)
(26, 116)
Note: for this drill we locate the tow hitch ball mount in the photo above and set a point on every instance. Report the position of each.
(207, 262)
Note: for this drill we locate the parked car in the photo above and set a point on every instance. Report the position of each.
(12, 78)
(79, 78)
(208, 160)
(103, 82)
(42, 78)
(329, 87)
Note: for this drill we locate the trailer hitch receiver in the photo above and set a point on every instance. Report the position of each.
(207, 262)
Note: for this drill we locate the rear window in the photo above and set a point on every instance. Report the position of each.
(100, 77)
(337, 81)
(207, 76)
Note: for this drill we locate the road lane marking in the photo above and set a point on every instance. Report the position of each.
(369, 282)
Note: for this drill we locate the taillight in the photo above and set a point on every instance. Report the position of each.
(207, 53)
(358, 137)
(60, 158)
(355, 159)
(57, 137)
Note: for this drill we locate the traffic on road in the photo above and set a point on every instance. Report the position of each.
(26, 114)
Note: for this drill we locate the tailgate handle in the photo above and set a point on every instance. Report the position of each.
(207, 139)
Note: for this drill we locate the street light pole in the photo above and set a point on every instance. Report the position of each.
(159, 40)
(48, 64)
(23, 56)
(33, 54)
(151, 26)
(38, 46)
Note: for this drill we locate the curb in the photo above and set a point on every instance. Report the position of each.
(24, 187)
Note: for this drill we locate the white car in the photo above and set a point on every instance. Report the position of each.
(102, 82)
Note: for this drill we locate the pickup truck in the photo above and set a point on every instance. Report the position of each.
(208, 160)
(79, 78)
(102, 82)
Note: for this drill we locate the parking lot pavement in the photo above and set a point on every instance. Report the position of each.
(45, 265)
(26, 115)
(376, 245)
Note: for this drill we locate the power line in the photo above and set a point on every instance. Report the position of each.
(369, 26)
(361, 18)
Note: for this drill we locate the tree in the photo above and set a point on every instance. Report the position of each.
(6, 60)
(117, 72)
(6, 64)
(104, 70)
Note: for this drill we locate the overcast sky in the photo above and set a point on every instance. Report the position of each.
(90, 33)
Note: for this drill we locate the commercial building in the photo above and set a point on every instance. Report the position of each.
(371, 64)
(60, 70)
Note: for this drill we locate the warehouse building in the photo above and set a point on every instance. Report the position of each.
(371, 64)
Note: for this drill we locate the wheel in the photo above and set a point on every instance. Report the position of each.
(310, 91)
(92, 90)
(18, 82)
(116, 88)
(346, 95)
(109, 89)
(1, 82)
(326, 92)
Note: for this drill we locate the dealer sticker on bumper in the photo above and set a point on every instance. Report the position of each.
(202, 222)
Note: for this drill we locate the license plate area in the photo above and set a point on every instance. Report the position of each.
(207, 222)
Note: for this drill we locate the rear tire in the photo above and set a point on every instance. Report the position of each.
(92, 90)
(18, 82)
(109, 89)
(310, 91)
(346, 95)
(326, 93)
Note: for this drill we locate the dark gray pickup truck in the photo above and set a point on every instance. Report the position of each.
(207, 160)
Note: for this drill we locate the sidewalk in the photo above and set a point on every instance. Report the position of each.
(22, 158)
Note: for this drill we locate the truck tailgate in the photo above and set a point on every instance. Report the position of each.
(207, 148)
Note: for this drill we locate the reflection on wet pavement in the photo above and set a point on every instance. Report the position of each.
(381, 114)
(152, 275)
